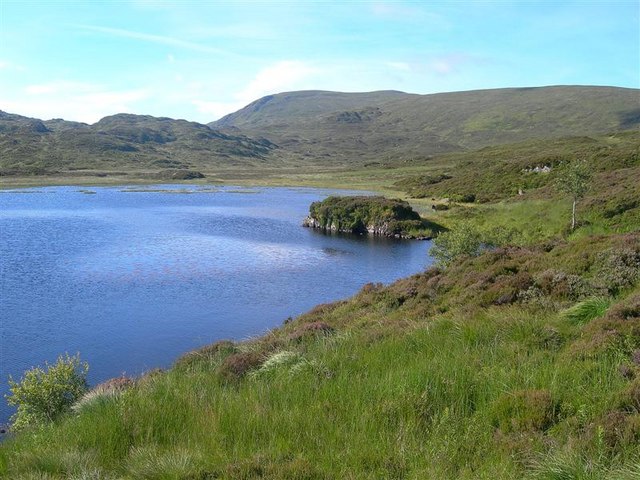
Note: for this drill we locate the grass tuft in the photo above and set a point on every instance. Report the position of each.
(587, 310)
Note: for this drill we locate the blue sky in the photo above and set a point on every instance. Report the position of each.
(200, 59)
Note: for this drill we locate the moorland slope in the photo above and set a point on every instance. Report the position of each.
(315, 129)
(334, 128)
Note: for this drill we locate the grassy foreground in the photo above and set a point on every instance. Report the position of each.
(523, 362)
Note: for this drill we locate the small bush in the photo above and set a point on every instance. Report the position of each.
(463, 197)
(460, 242)
(620, 429)
(311, 330)
(619, 268)
(630, 397)
(42, 396)
(524, 410)
(208, 354)
(237, 365)
(558, 284)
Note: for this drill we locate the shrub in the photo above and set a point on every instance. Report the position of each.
(620, 428)
(524, 410)
(559, 284)
(619, 268)
(42, 396)
(237, 365)
(457, 243)
(207, 355)
(312, 329)
(463, 197)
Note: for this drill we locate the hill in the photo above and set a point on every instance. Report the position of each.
(123, 141)
(315, 129)
(335, 128)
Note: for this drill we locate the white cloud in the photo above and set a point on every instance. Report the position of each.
(160, 39)
(58, 87)
(217, 110)
(403, 66)
(450, 63)
(281, 76)
(6, 65)
(72, 101)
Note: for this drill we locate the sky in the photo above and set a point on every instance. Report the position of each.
(199, 60)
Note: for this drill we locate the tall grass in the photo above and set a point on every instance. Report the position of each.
(587, 310)
(417, 404)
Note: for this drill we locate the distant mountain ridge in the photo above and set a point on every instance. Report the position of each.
(317, 128)
(401, 124)
(120, 141)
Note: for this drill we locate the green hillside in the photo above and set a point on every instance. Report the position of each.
(315, 129)
(335, 128)
(120, 142)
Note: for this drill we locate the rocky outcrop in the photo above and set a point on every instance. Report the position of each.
(376, 216)
(382, 230)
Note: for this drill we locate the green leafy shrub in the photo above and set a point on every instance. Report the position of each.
(574, 179)
(43, 395)
(463, 197)
(462, 241)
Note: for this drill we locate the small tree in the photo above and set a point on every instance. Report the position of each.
(463, 241)
(574, 180)
(41, 396)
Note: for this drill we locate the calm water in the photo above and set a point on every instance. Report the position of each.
(132, 279)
